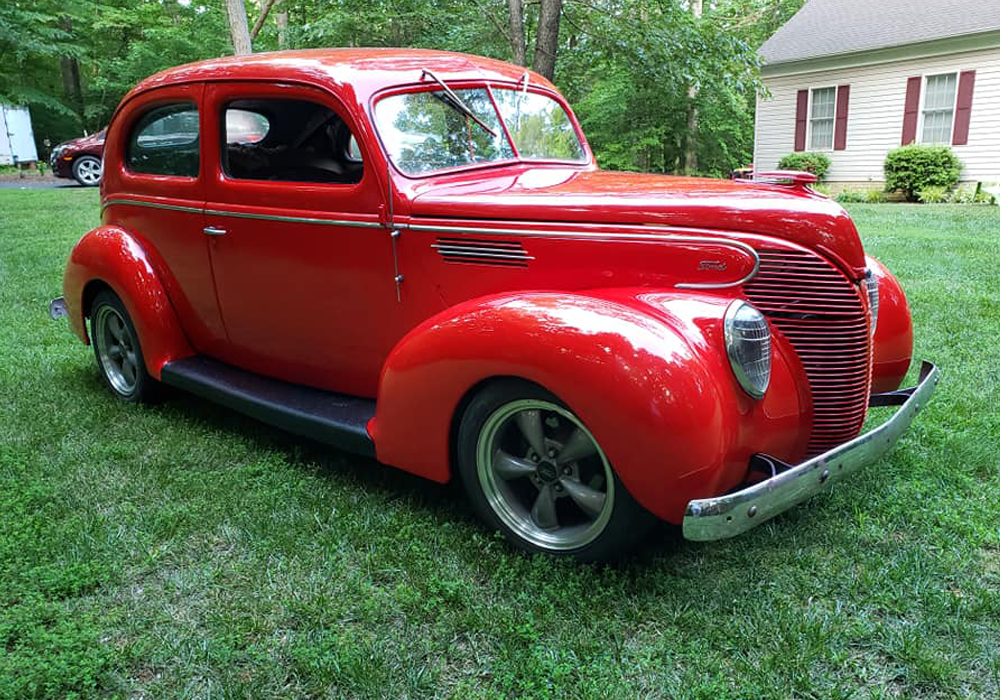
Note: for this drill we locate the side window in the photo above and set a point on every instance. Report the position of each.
(165, 142)
(290, 141)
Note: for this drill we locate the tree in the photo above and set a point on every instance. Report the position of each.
(691, 140)
(547, 38)
(236, 13)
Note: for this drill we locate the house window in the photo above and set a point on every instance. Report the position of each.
(821, 116)
(939, 108)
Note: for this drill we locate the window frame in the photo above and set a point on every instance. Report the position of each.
(586, 162)
(924, 79)
(136, 119)
(809, 121)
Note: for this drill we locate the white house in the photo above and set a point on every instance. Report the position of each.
(857, 78)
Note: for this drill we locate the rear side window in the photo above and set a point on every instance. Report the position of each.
(165, 141)
(288, 140)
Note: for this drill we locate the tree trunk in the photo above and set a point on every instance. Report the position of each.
(691, 144)
(70, 69)
(281, 19)
(518, 45)
(547, 37)
(236, 11)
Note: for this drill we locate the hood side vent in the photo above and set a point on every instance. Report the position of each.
(477, 251)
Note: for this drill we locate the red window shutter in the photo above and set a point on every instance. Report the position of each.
(840, 126)
(911, 109)
(963, 111)
(801, 108)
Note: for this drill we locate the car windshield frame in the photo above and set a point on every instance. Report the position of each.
(586, 156)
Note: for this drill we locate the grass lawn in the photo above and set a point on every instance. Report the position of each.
(184, 551)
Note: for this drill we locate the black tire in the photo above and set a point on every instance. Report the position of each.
(492, 422)
(87, 171)
(116, 347)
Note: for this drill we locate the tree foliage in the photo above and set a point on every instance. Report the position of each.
(627, 66)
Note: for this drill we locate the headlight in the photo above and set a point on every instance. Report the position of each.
(748, 344)
(871, 284)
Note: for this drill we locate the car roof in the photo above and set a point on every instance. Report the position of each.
(364, 71)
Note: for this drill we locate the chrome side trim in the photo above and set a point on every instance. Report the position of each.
(151, 205)
(709, 519)
(294, 219)
(488, 231)
(241, 215)
(670, 235)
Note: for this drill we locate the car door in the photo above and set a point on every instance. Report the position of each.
(157, 184)
(303, 267)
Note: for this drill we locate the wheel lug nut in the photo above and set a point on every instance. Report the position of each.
(552, 452)
(559, 487)
(567, 471)
(533, 457)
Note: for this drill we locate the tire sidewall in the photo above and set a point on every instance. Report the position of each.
(628, 522)
(143, 381)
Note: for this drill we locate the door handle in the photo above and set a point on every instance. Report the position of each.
(213, 231)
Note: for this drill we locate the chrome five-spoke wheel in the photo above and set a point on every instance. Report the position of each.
(544, 475)
(116, 346)
(116, 350)
(534, 470)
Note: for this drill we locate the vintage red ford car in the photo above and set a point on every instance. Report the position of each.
(412, 255)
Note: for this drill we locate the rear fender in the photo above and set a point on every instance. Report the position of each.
(892, 346)
(643, 376)
(112, 256)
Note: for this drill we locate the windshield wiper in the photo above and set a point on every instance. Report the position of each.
(455, 102)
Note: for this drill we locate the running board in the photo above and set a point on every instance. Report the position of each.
(335, 419)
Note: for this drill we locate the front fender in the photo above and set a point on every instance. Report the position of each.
(111, 255)
(892, 346)
(637, 368)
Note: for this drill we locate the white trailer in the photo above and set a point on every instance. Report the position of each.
(17, 141)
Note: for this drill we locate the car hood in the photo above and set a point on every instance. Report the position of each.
(600, 196)
(95, 139)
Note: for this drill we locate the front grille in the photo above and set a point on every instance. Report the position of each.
(821, 313)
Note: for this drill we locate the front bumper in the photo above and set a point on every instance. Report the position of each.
(709, 519)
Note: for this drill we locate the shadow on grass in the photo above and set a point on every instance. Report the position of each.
(441, 502)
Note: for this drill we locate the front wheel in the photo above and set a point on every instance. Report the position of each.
(116, 346)
(87, 171)
(535, 472)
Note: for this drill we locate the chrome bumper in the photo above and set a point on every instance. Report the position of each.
(726, 516)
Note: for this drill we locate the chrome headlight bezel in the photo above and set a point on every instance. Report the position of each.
(871, 287)
(747, 337)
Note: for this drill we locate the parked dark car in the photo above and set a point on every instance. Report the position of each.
(80, 159)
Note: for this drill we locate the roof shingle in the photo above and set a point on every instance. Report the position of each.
(831, 27)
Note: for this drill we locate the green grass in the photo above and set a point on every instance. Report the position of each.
(183, 551)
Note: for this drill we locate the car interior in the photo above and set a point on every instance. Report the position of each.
(288, 140)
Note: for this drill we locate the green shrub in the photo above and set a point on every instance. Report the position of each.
(815, 163)
(933, 195)
(912, 169)
(875, 196)
(852, 196)
(968, 195)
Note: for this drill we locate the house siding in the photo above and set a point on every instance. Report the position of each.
(875, 124)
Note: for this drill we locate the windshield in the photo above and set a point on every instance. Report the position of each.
(424, 131)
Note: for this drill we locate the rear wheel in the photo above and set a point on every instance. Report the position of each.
(535, 472)
(116, 346)
(87, 170)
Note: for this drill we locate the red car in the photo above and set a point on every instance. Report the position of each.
(80, 159)
(412, 255)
